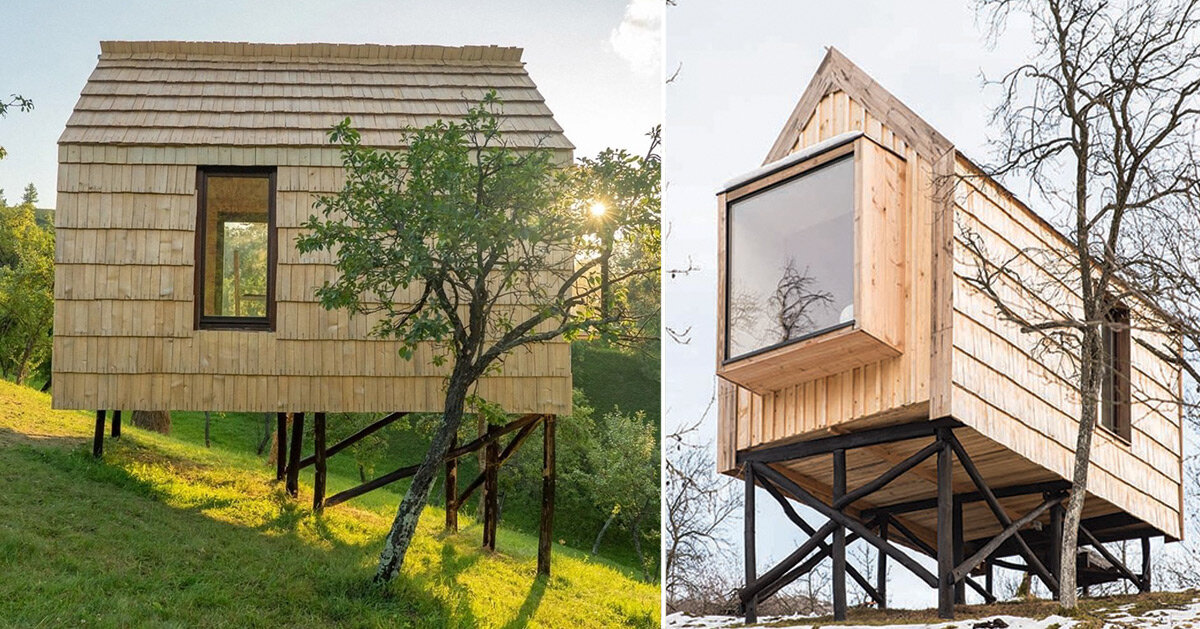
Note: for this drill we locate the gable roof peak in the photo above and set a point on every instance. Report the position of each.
(837, 73)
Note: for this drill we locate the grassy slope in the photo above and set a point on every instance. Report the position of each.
(613, 378)
(167, 533)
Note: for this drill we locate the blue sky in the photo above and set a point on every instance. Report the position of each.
(597, 63)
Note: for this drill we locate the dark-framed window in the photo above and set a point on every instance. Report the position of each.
(236, 248)
(1114, 385)
(790, 260)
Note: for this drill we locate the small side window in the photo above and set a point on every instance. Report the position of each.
(235, 249)
(1114, 387)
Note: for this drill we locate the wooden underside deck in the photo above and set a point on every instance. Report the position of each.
(1000, 467)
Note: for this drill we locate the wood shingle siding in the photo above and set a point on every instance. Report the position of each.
(149, 116)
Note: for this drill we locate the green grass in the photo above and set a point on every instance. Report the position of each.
(164, 532)
(611, 378)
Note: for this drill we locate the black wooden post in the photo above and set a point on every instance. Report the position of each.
(1145, 582)
(452, 489)
(960, 587)
(839, 539)
(1056, 539)
(116, 425)
(491, 499)
(945, 534)
(293, 470)
(988, 578)
(881, 565)
(280, 445)
(98, 438)
(549, 476)
(751, 604)
(318, 461)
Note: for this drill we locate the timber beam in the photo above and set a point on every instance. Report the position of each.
(454, 453)
(848, 441)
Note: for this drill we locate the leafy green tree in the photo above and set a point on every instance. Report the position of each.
(17, 101)
(441, 239)
(624, 196)
(26, 291)
(623, 477)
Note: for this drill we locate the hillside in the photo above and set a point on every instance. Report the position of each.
(165, 532)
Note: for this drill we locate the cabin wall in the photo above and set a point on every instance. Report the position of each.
(892, 389)
(1007, 385)
(124, 310)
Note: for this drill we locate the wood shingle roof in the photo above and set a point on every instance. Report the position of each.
(239, 94)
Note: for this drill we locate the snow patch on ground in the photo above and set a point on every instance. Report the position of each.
(681, 621)
(1183, 618)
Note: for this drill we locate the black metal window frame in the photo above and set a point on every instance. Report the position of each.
(214, 322)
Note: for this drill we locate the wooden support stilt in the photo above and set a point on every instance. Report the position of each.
(1056, 540)
(960, 587)
(1146, 582)
(491, 496)
(352, 439)
(293, 470)
(98, 437)
(881, 565)
(945, 533)
(1108, 556)
(836, 517)
(839, 539)
(452, 490)
(989, 578)
(318, 462)
(280, 445)
(989, 497)
(751, 603)
(116, 425)
(549, 478)
(826, 550)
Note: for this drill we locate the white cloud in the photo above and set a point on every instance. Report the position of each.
(638, 39)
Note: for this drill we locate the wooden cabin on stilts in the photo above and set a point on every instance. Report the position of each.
(185, 173)
(864, 376)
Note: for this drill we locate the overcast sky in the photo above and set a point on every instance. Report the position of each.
(741, 71)
(597, 63)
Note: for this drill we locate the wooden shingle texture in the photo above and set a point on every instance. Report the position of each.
(150, 115)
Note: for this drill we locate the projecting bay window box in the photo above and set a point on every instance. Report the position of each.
(812, 257)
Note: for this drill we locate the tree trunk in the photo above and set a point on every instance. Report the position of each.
(612, 515)
(1089, 371)
(158, 421)
(637, 543)
(24, 364)
(268, 420)
(405, 524)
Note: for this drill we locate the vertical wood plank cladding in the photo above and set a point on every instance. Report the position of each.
(1027, 400)
(879, 387)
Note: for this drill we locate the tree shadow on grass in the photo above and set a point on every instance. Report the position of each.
(529, 607)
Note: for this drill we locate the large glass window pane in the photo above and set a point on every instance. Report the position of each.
(791, 259)
(237, 216)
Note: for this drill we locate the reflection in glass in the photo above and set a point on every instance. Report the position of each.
(791, 259)
(236, 215)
